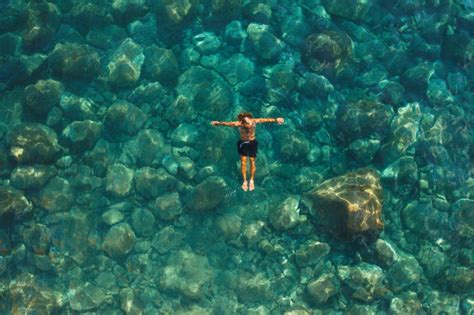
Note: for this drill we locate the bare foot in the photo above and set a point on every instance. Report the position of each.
(244, 186)
(251, 185)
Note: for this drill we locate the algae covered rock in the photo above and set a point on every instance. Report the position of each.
(124, 118)
(459, 279)
(85, 296)
(150, 147)
(119, 180)
(32, 177)
(119, 240)
(42, 96)
(74, 61)
(406, 303)
(77, 108)
(349, 204)
(292, 145)
(160, 65)
(363, 118)
(423, 219)
(168, 206)
(267, 46)
(27, 292)
(207, 43)
(463, 217)
(403, 273)
(348, 9)
(207, 195)
(311, 253)
(229, 225)
(280, 80)
(143, 221)
(365, 281)
(178, 11)
(286, 215)
(57, 195)
(253, 288)
(13, 203)
(33, 143)
(363, 150)
(385, 252)
(124, 68)
(187, 274)
(185, 135)
(151, 182)
(403, 132)
(206, 90)
(322, 52)
(181, 110)
(167, 239)
(324, 287)
(82, 135)
(43, 19)
(314, 85)
(236, 69)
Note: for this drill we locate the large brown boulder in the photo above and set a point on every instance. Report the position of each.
(348, 205)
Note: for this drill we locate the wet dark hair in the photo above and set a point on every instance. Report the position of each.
(242, 116)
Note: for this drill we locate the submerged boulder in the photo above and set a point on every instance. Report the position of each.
(348, 9)
(29, 293)
(207, 90)
(207, 195)
(119, 240)
(187, 274)
(124, 118)
(364, 118)
(42, 96)
(349, 204)
(74, 61)
(33, 143)
(267, 46)
(13, 203)
(124, 69)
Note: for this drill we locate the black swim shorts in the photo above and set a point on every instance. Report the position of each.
(249, 148)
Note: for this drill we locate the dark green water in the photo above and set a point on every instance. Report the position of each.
(118, 195)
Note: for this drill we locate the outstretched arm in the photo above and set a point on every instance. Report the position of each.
(279, 120)
(226, 123)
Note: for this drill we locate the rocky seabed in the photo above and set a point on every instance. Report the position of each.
(118, 197)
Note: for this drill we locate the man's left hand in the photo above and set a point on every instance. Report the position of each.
(280, 121)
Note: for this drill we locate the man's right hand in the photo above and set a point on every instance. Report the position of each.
(214, 123)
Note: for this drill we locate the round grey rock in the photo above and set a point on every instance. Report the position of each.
(75, 61)
(286, 215)
(160, 65)
(32, 177)
(33, 143)
(124, 118)
(119, 240)
(168, 206)
(119, 180)
(151, 182)
(13, 203)
(57, 195)
(323, 288)
(42, 96)
(82, 135)
(143, 221)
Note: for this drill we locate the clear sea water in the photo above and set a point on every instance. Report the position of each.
(118, 195)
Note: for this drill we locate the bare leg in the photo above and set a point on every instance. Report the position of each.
(252, 173)
(243, 169)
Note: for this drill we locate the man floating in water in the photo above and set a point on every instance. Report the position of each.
(247, 145)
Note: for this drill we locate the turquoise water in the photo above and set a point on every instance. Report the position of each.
(118, 195)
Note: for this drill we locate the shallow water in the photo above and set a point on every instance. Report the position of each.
(118, 196)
